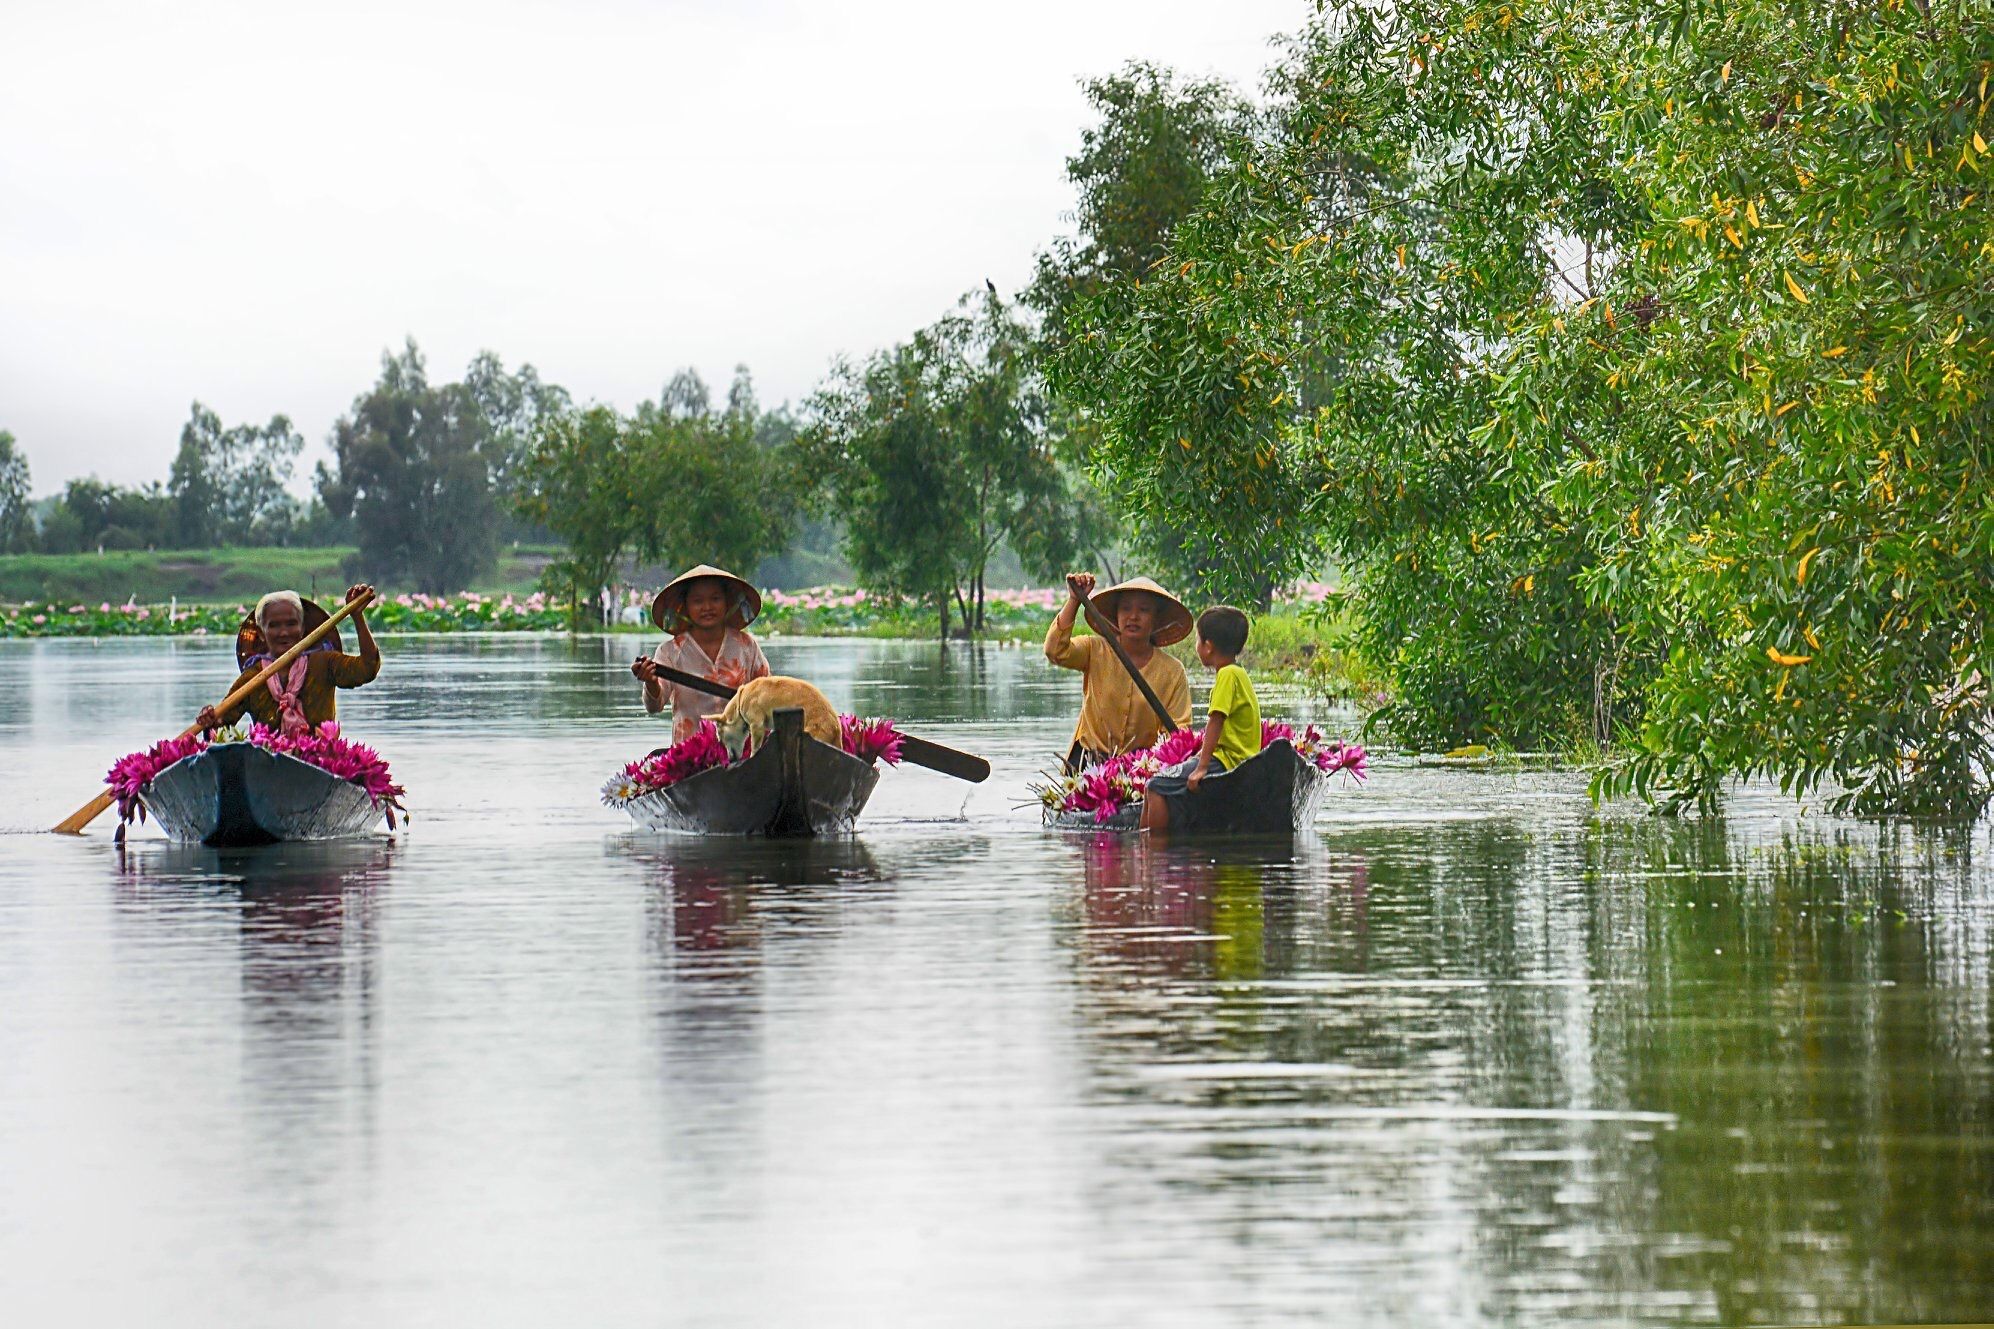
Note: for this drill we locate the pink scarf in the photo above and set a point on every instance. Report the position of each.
(290, 709)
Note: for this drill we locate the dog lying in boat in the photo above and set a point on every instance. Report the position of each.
(750, 714)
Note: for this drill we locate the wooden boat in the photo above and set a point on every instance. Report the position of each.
(791, 785)
(1274, 792)
(235, 794)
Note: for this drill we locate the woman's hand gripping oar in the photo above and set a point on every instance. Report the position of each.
(1106, 632)
(920, 751)
(74, 823)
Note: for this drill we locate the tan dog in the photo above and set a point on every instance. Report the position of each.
(750, 714)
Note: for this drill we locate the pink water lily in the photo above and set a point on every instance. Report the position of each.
(866, 739)
(869, 740)
(1121, 781)
(323, 748)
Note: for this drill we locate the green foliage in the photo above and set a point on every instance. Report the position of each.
(513, 405)
(411, 468)
(155, 576)
(1573, 334)
(1807, 530)
(933, 455)
(92, 514)
(676, 483)
(1139, 171)
(17, 520)
(582, 479)
(228, 484)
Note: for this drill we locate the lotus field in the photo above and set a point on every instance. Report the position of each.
(830, 611)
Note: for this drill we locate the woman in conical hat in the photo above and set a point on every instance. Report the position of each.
(707, 612)
(304, 696)
(1114, 715)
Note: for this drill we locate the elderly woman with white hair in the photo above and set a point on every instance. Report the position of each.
(303, 696)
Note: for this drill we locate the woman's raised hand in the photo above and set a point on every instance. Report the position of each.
(359, 591)
(1079, 585)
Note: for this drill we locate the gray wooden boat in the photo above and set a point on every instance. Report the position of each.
(792, 785)
(235, 794)
(1276, 791)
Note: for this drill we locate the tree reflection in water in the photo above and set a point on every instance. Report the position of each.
(1649, 1070)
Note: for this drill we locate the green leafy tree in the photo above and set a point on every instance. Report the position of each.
(228, 484)
(934, 454)
(1634, 363)
(17, 518)
(411, 470)
(675, 483)
(582, 478)
(514, 405)
(1803, 524)
(92, 514)
(1141, 169)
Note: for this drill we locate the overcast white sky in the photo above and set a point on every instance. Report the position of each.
(246, 203)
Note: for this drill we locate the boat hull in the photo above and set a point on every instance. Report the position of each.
(792, 785)
(237, 794)
(1276, 791)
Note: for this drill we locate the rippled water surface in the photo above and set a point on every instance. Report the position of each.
(1468, 1052)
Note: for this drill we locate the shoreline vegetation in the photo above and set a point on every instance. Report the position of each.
(1307, 639)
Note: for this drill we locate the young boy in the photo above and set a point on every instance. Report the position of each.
(1232, 734)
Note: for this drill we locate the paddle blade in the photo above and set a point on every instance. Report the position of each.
(74, 823)
(962, 765)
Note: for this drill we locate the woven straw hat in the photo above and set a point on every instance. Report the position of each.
(668, 609)
(1173, 620)
(249, 637)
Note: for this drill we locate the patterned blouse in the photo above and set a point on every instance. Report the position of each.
(740, 659)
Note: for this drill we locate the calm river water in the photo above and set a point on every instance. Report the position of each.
(1469, 1052)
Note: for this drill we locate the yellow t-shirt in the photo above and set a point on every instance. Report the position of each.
(1232, 697)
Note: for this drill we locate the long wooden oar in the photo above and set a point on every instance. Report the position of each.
(962, 765)
(74, 823)
(1106, 632)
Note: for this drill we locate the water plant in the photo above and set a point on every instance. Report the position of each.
(323, 747)
(1121, 781)
(868, 739)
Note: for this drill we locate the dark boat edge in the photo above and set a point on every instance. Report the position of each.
(793, 786)
(238, 795)
(1276, 776)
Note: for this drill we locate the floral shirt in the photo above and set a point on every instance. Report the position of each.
(739, 660)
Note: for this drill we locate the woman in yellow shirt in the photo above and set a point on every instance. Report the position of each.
(1114, 717)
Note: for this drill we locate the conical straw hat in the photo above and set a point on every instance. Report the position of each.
(1173, 620)
(668, 608)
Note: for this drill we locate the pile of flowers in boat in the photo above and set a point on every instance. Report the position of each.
(323, 747)
(870, 740)
(1121, 781)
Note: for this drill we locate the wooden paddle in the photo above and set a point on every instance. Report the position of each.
(1106, 632)
(962, 765)
(74, 823)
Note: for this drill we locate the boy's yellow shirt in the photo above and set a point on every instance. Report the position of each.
(1232, 697)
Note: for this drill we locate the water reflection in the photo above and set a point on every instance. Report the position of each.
(1473, 1053)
